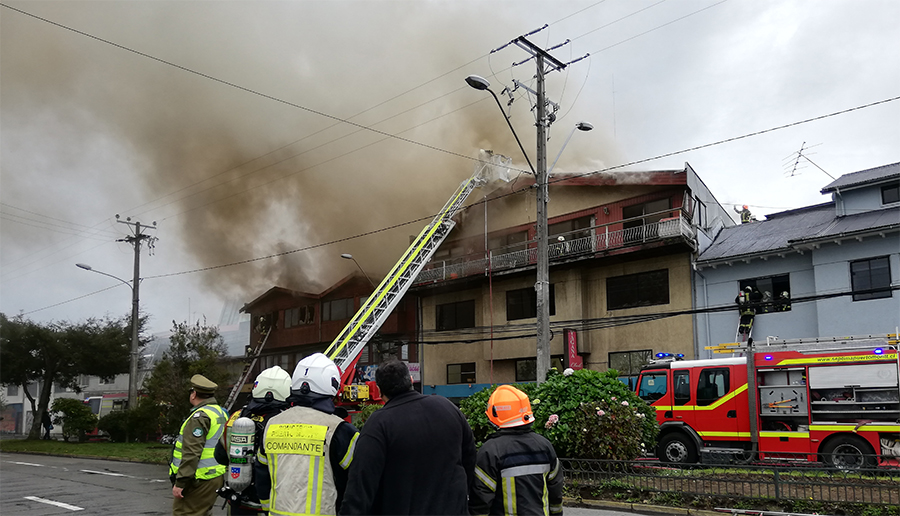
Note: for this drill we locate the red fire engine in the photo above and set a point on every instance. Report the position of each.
(835, 400)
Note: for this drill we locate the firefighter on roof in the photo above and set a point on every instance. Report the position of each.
(267, 399)
(746, 216)
(194, 469)
(516, 470)
(305, 451)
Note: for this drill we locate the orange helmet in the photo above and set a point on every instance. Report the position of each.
(509, 407)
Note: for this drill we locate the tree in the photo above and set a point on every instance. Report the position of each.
(75, 417)
(195, 349)
(58, 353)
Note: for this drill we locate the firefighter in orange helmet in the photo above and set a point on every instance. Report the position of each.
(516, 470)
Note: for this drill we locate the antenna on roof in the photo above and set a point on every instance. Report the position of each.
(795, 158)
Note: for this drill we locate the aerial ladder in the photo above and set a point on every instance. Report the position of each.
(346, 347)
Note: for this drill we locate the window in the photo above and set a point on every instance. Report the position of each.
(12, 390)
(522, 303)
(337, 310)
(404, 352)
(774, 292)
(874, 273)
(58, 387)
(509, 243)
(461, 373)
(364, 355)
(629, 362)
(299, 316)
(712, 385)
(526, 368)
(452, 316)
(652, 387)
(572, 229)
(649, 213)
(890, 193)
(644, 289)
(681, 386)
(107, 380)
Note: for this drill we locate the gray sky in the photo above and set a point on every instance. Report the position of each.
(255, 157)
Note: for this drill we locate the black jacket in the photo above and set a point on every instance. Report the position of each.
(414, 456)
(517, 472)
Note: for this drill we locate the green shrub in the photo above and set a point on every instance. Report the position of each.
(364, 414)
(115, 424)
(557, 403)
(75, 417)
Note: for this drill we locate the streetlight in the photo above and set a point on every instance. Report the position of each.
(135, 343)
(580, 126)
(348, 256)
(480, 83)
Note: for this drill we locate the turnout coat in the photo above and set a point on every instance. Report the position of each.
(414, 456)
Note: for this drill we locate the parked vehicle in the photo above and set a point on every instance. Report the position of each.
(835, 400)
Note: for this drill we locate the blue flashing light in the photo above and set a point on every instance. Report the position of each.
(769, 357)
(879, 351)
(680, 355)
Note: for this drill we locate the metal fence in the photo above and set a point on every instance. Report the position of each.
(757, 481)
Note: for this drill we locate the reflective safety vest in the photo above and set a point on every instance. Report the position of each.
(296, 450)
(207, 467)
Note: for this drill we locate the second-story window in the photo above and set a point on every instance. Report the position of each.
(452, 316)
(890, 193)
(522, 303)
(299, 316)
(337, 310)
(871, 274)
(632, 290)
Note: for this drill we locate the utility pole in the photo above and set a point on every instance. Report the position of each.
(135, 240)
(542, 285)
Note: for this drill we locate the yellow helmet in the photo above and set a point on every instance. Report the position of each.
(509, 407)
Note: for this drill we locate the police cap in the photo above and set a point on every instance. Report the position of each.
(202, 384)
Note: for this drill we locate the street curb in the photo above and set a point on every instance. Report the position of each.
(74, 456)
(639, 507)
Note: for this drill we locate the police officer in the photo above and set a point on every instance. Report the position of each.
(194, 470)
(516, 470)
(302, 462)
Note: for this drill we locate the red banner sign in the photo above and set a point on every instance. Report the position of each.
(573, 359)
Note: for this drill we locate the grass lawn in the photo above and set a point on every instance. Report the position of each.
(153, 453)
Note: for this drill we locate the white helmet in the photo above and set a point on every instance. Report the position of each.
(316, 374)
(275, 380)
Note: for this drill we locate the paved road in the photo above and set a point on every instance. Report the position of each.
(43, 485)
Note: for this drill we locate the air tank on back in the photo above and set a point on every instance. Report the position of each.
(240, 454)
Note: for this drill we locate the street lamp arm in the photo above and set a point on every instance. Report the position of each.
(91, 269)
(513, 130)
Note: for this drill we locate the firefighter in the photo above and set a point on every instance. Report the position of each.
(746, 309)
(302, 461)
(194, 470)
(516, 470)
(746, 216)
(784, 302)
(267, 399)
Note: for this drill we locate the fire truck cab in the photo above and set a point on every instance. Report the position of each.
(834, 400)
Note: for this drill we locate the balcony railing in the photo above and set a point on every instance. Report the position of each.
(600, 239)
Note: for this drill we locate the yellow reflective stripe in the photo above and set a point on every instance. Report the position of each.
(555, 471)
(309, 486)
(724, 434)
(395, 276)
(486, 479)
(662, 407)
(804, 435)
(853, 428)
(545, 499)
(320, 476)
(348, 457)
(509, 496)
(273, 469)
(835, 359)
(723, 399)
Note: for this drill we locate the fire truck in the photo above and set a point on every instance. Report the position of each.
(833, 400)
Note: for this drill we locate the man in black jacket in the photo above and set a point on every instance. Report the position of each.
(414, 456)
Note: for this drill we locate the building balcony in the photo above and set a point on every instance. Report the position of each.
(611, 238)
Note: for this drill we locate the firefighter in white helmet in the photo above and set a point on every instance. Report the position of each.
(302, 462)
(267, 398)
(516, 469)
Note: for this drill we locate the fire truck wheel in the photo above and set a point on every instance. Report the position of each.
(677, 448)
(848, 452)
